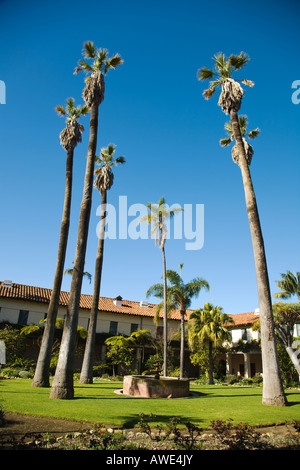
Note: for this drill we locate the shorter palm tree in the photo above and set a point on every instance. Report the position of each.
(158, 215)
(179, 296)
(207, 326)
(243, 122)
(103, 182)
(289, 285)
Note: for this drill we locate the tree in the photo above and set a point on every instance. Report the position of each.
(158, 215)
(207, 327)
(286, 315)
(69, 138)
(103, 183)
(119, 351)
(230, 101)
(93, 94)
(289, 284)
(179, 296)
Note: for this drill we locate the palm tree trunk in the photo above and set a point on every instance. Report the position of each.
(273, 393)
(210, 363)
(165, 320)
(62, 387)
(41, 377)
(86, 375)
(182, 344)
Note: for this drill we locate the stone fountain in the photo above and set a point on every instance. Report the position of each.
(155, 386)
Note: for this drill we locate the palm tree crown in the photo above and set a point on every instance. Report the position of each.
(100, 60)
(71, 135)
(232, 92)
(107, 161)
(290, 285)
(179, 295)
(243, 122)
(209, 324)
(93, 92)
(158, 214)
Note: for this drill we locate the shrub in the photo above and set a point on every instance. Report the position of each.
(257, 379)
(231, 379)
(26, 374)
(239, 437)
(10, 372)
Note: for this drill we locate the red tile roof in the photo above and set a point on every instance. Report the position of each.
(129, 307)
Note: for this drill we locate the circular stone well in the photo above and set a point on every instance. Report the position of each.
(147, 386)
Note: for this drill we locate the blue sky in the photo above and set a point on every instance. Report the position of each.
(155, 113)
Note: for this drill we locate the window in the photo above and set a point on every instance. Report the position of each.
(113, 328)
(133, 327)
(23, 317)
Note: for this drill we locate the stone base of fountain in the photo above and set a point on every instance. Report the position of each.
(146, 386)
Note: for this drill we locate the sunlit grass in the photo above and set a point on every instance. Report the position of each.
(98, 403)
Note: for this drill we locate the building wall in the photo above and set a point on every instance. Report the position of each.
(244, 333)
(10, 310)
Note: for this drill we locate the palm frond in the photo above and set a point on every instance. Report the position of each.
(144, 218)
(204, 74)
(113, 62)
(83, 65)
(173, 277)
(60, 110)
(254, 133)
(89, 50)
(243, 123)
(248, 82)
(157, 290)
(70, 106)
(120, 160)
(225, 142)
(238, 61)
(209, 92)
(84, 110)
(88, 275)
(77, 69)
(220, 61)
(228, 128)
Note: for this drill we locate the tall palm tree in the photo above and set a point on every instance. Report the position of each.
(103, 183)
(230, 101)
(157, 216)
(179, 296)
(69, 138)
(208, 326)
(289, 284)
(93, 94)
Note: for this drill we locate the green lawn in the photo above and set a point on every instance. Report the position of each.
(98, 403)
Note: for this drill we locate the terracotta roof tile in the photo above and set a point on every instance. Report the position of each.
(129, 307)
